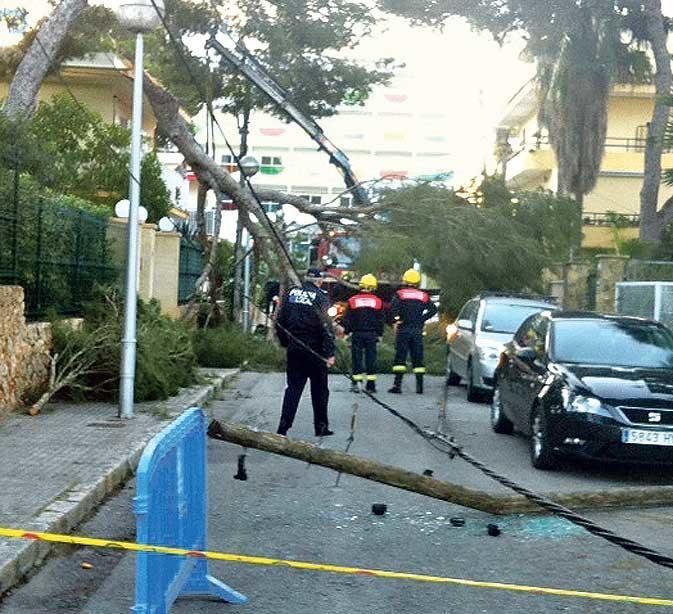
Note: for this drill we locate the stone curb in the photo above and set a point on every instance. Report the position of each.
(63, 514)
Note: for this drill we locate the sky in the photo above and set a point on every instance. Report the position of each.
(464, 70)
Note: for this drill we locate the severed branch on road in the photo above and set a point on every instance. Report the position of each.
(368, 469)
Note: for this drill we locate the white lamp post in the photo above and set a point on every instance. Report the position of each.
(249, 167)
(141, 17)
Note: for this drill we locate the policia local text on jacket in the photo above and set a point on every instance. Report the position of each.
(409, 310)
(303, 323)
(364, 321)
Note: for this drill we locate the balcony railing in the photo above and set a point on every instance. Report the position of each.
(609, 218)
(612, 143)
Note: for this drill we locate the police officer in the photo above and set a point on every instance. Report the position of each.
(364, 320)
(409, 310)
(305, 329)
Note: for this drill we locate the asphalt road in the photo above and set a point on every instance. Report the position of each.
(290, 510)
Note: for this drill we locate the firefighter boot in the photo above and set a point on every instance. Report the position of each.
(355, 386)
(371, 386)
(419, 383)
(397, 384)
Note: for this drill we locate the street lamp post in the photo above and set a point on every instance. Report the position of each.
(249, 168)
(140, 17)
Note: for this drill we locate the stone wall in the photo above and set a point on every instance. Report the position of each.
(610, 270)
(579, 280)
(24, 351)
(576, 284)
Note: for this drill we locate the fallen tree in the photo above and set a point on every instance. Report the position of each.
(369, 469)
(39, 59)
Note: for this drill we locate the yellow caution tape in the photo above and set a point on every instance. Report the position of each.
(374, 573)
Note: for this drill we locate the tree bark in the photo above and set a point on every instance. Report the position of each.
(368, 469)
(173, 124)
(651, 222)
(331, 213)
(201, 213)
(39, 59)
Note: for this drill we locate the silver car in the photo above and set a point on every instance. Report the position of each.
(475, 339)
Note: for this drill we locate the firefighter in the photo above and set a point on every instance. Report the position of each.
(409, 310)
(364, 320)
(305, 329)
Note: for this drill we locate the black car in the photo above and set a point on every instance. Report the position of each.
(587, 385)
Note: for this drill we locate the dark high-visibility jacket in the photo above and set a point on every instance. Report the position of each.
(303, 321)
(364, 314)
(411, 307)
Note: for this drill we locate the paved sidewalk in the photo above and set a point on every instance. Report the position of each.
(57, 467)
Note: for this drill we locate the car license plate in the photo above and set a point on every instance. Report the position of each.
(647, 438)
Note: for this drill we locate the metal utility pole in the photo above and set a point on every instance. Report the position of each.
(141, 17)
(249, 168)
(243, 130)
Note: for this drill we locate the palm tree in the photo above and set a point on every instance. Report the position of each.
(575, 87)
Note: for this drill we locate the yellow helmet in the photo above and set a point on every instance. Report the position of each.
(368, 282)
(411, 277)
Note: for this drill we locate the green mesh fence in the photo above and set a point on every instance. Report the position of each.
(191, 267)
(57, 254)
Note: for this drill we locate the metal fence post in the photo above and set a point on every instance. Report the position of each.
(38, 258)
(15, 228)
(76, 290)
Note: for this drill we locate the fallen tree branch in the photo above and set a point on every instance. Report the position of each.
(39, 59)
(323, 213)
(368, 469)
(172, 123)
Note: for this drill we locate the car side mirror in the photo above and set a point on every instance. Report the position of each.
(465, 324)
(527, 355)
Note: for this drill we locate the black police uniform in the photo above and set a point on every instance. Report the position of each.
(364, 320)
(303, 323)
(410, 308)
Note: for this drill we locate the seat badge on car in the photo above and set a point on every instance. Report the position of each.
(654, 416)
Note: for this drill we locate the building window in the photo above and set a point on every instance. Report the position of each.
(346, 201)
(271, 165)
(314, 200)
(229, 163)
(271, 207)
(210, 223)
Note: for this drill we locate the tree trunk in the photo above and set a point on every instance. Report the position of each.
(39, 59)
(368, 469)
(651, 224)
(201, 213)
(167, 112)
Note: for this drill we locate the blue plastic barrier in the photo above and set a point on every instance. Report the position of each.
(171, 508)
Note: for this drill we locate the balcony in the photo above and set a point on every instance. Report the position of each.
(615, 220)
(530, 163)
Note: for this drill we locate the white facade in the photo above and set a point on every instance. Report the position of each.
(398, 133)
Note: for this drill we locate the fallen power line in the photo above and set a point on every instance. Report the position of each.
(449, 447)
(440, 442)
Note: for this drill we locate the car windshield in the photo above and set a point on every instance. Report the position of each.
(505, 317)
(613, 343)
